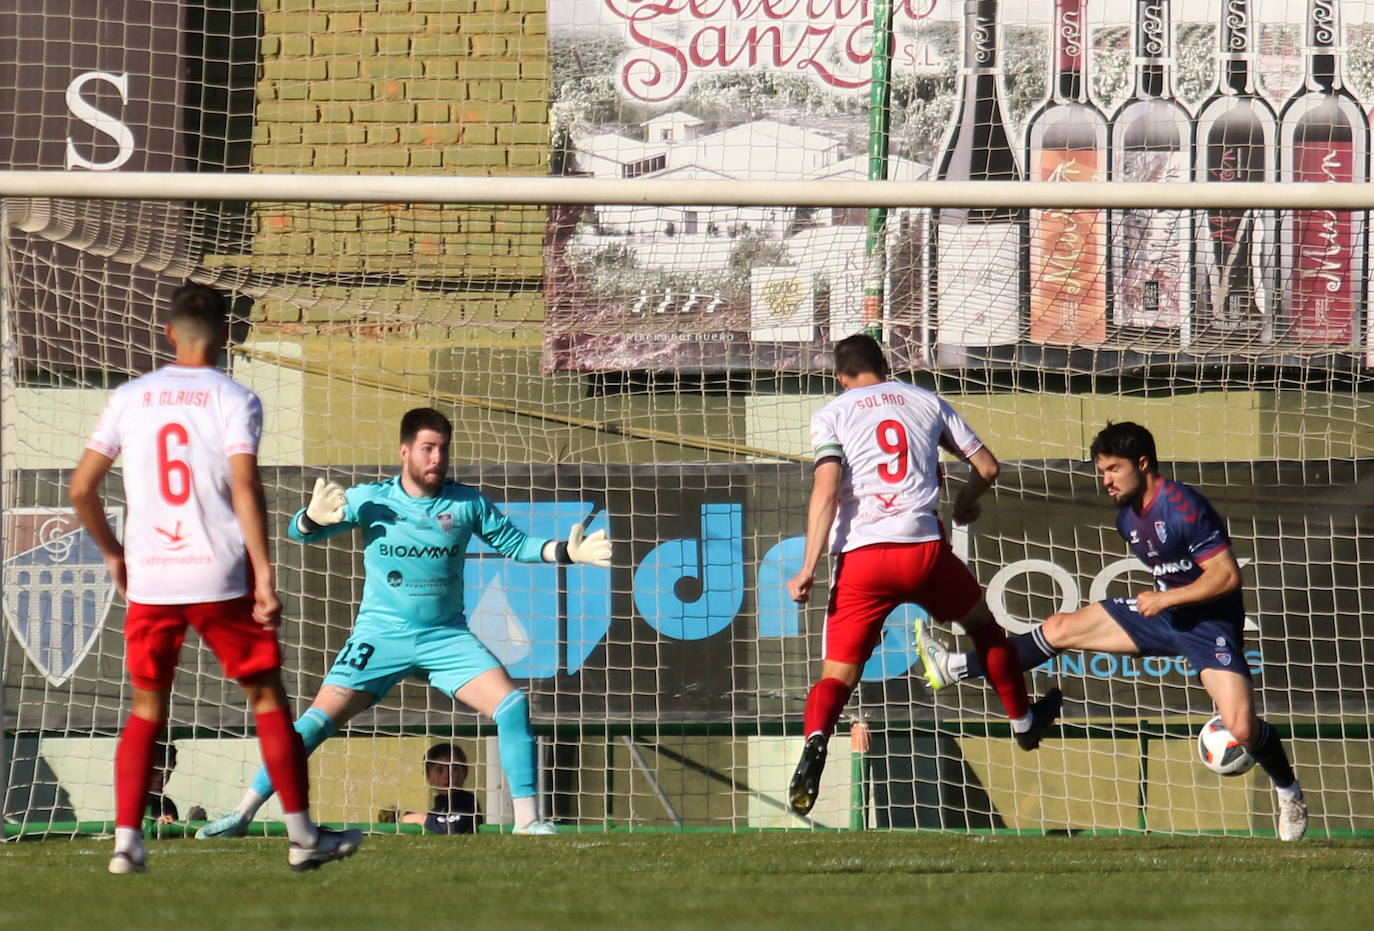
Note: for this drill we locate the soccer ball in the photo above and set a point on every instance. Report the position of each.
(1220, 752)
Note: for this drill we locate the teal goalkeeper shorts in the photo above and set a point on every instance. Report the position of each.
(376, 658)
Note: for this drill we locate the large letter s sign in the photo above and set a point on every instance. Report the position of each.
(122, 136)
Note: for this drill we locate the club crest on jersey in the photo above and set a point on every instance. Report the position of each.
(1223, 655)
(57, 589)
(1161, 531)
(446, 522)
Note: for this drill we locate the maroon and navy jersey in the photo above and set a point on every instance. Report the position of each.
(1177, 532)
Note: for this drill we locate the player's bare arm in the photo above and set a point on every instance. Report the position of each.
(1220, 576)
(825, 492)
(984, 471)
(250, 507)
(84, 492)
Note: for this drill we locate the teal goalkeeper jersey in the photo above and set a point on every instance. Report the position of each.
(414, 549)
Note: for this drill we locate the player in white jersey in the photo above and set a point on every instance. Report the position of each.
(195, 553)
(875, 497)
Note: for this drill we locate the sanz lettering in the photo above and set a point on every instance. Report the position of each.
(673, 42)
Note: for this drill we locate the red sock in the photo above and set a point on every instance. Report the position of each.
(134, 770)
(1002, 666)
(283, 754)
(823, 706)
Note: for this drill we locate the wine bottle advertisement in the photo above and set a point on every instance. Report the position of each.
(1323, 296)
(1151, 250)
(1065, 91)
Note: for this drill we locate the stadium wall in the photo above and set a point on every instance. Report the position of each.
(712, 697)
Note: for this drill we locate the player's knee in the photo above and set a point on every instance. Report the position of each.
(1245, 727)
(265, 691)
(1054, 629)
(513, 708)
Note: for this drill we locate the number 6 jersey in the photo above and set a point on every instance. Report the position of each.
(177, 428)
(887, 438)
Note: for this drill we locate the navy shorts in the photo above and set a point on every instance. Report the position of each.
(1206, 642)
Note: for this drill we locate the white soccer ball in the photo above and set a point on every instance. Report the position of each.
(1220, 751)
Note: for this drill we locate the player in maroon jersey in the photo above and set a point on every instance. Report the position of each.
(1194, 610)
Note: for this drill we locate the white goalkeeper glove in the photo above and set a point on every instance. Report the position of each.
(594, 550)
(326, 505)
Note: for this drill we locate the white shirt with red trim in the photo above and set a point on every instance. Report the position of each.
(176, 428)
(888, 437)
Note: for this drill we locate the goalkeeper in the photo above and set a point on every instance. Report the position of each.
(416, 529)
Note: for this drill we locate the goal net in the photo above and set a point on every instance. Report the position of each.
(649, 361)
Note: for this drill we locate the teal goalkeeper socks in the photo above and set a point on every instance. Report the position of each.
(516, 742)
(315, 727)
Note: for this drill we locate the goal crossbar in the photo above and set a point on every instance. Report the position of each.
(429, 189)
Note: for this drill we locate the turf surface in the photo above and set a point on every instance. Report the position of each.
(665, 880)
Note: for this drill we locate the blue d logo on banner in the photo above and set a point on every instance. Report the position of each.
(692, 589)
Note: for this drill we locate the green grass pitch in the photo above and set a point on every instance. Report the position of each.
(701, 880)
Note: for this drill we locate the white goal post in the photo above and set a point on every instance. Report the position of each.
(669, 692)
(335, 189)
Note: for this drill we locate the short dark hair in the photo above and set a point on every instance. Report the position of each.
(424, 418)
(204, 309)
(165, 755)
(860, 353)
(442, 753)
(1126, 440)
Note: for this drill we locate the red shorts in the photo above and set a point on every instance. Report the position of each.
(871, 581)
(153, 635)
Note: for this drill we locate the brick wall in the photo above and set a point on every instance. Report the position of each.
(451, 87)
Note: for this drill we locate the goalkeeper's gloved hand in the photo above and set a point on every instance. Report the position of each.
(594, 550)
(326, 505)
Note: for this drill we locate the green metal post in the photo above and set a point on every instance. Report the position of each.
(879, 103)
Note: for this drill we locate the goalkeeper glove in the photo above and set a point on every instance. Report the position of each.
(326, 506)
(594, 550)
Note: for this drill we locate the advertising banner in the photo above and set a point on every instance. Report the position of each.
(1075, 91)
(692, 623)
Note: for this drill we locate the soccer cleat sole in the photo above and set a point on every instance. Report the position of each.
(344, 844)
(806, 781)
(1043, 714)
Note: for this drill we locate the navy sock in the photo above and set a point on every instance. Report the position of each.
(1032, 647)
(1269, 754)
